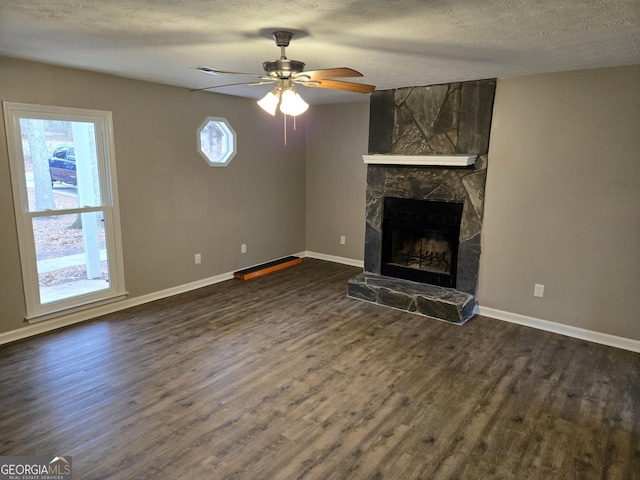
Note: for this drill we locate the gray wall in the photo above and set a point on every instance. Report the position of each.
(563, 200)
(172, 203)
(562, 203)
(337, 137)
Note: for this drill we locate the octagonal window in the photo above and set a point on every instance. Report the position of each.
(216, 141)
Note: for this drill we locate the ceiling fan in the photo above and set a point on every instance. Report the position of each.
(286, 74)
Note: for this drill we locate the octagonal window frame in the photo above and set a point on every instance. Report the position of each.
(230, 142)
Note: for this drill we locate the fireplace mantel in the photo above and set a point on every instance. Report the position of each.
(421, 160)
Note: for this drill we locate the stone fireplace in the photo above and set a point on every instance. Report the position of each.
(423, 215)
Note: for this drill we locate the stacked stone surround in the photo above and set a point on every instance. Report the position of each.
(447, 119)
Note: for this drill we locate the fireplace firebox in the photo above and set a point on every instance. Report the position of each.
(420, 240)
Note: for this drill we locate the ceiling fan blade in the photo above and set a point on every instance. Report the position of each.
(251, 84)
(216, 71)
(341, 72)
(340, 85)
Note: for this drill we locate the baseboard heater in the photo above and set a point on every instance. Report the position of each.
(259, 270)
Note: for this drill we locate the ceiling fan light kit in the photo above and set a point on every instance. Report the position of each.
(291, 103)
(269, 103)
(285, 73)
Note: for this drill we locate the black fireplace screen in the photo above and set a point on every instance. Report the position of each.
(420, 240)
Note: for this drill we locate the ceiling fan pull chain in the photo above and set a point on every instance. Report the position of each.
(285, 128)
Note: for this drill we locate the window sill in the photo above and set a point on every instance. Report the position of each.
(41, 317)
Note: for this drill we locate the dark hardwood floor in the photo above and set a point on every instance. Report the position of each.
(284, 377)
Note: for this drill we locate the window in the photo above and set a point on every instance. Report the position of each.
(65, 197)
(216, 141)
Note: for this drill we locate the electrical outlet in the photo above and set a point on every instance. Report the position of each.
(343, 240)
(243, 248)
(198, 258)
(538, 290)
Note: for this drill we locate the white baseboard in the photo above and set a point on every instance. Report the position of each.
(82, 316)
(333, 258)
(562, 329)
(89, 314)
(568, 330)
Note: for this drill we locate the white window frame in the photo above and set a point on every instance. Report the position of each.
(230, 142)
(37, 311)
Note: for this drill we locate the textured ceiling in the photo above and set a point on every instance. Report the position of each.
(393, 43)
